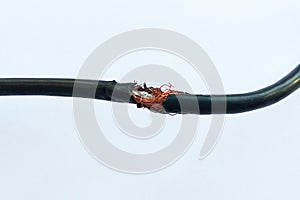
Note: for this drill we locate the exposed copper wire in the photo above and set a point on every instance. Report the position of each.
(152, 98)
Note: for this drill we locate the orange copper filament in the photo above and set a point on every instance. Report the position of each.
(152, 98)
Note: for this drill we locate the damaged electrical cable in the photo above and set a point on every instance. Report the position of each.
(165, 101)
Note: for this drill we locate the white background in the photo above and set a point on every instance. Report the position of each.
(252, 43)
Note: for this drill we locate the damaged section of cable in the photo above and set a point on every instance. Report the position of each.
(152, 98)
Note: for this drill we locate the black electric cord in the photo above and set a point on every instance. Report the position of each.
(93, 89)
(234, 103)
(181, 103)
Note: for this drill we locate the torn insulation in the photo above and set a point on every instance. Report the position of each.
(152, 98)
